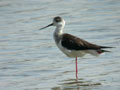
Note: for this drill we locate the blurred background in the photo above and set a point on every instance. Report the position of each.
(29, 58)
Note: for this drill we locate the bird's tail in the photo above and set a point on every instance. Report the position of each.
(105, 47)
(102, 51)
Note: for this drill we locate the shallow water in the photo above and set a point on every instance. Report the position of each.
(29, 58)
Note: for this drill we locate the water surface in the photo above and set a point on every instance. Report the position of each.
(29, 58)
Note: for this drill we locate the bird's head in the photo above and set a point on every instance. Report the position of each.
(57, 21)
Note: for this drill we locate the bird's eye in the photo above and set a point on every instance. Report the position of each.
(57, 20)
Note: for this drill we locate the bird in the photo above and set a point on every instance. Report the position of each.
(71, 45)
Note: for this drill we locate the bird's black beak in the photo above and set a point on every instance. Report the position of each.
(46, 26)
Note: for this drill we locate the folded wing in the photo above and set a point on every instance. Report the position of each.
(74, 43)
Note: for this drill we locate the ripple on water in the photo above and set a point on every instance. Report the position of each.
(71, 84)
(29, 59)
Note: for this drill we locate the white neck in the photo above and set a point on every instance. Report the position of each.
(59, 30)
(58, 33)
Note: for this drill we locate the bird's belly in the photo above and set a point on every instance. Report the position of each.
(71, 53)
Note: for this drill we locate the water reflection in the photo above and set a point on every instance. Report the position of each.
(72, 84)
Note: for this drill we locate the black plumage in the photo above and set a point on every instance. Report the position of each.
(74, 43)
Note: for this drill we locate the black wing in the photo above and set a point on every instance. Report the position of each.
(74, 43)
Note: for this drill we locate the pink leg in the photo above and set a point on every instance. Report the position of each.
(76, 69)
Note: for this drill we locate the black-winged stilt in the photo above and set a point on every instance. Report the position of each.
(71, 45)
